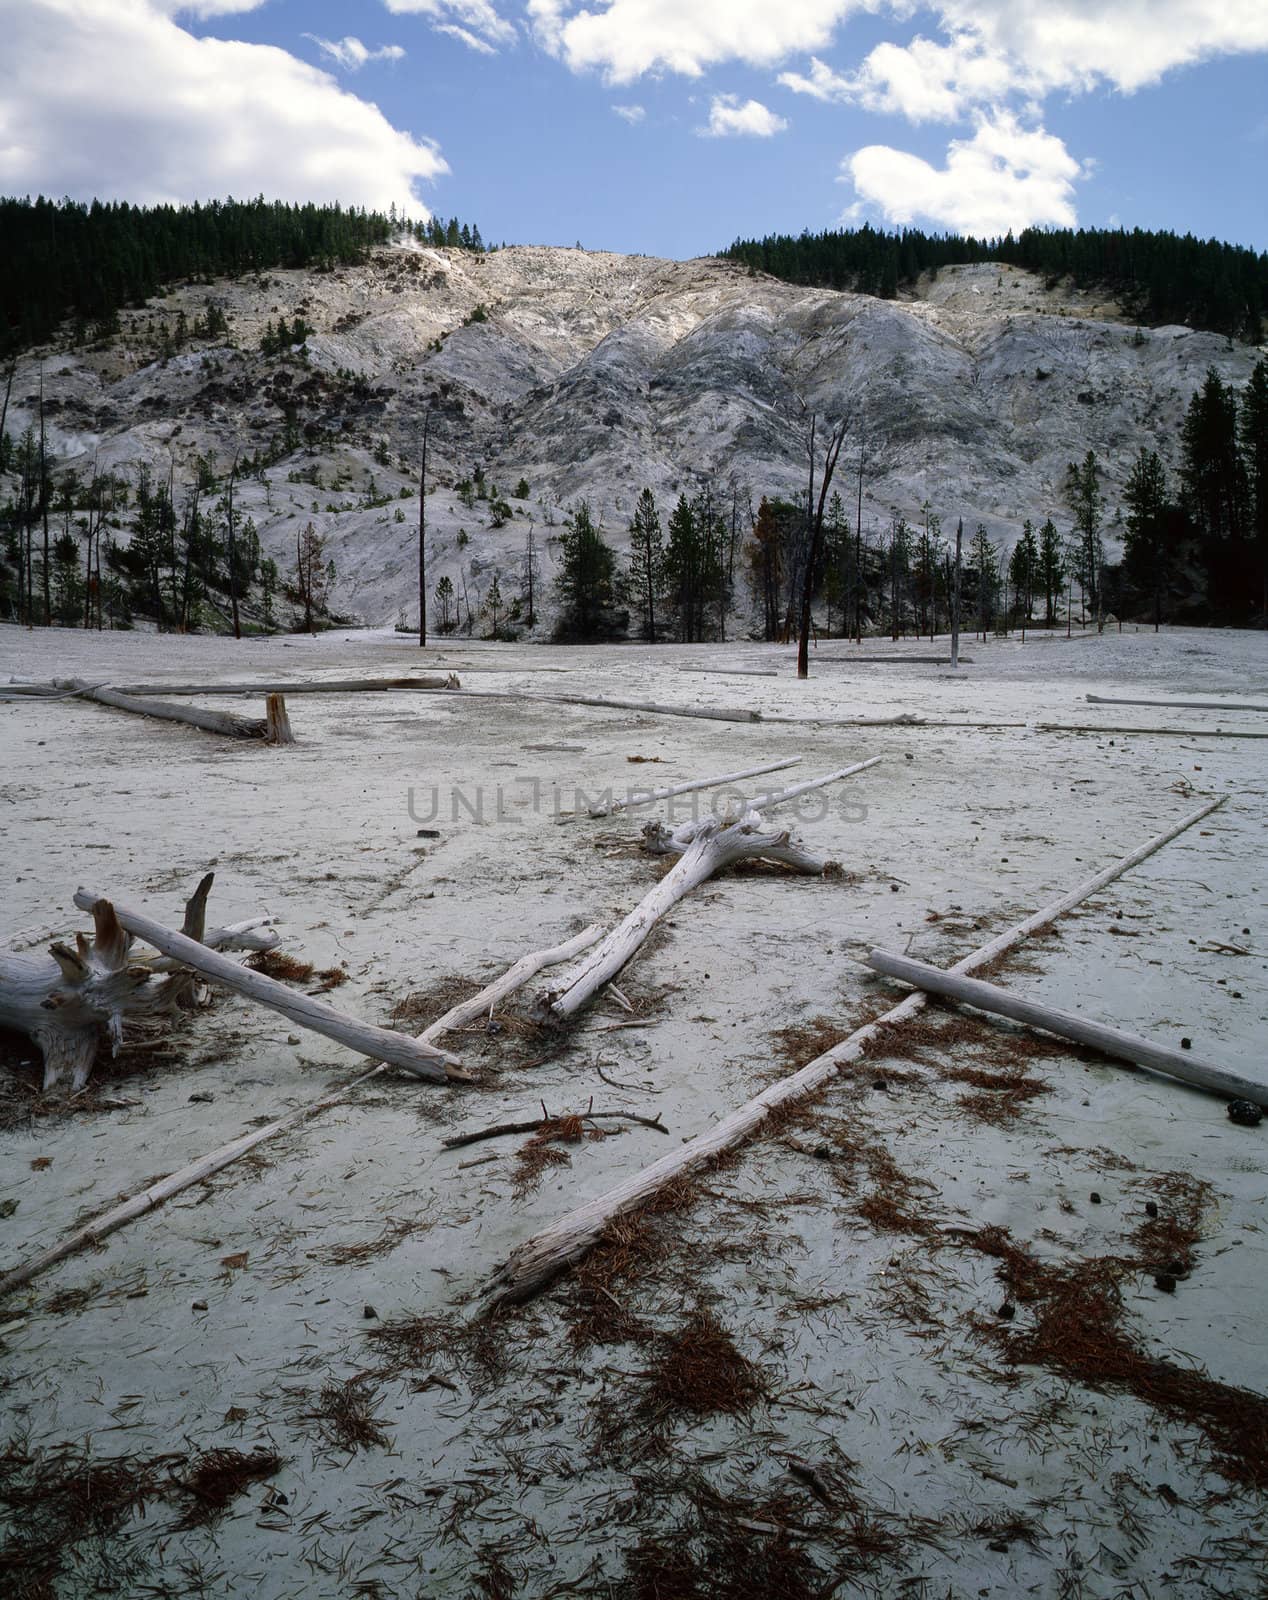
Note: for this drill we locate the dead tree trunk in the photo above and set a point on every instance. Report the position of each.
(423, 1059)
(541, 1258)
(63, 1003)
(1068, 1025)
(277, 722)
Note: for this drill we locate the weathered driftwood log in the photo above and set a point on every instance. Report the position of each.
(482, 1004)
(1166, 705)
(423, 1059)
(315, 686)
(712, 846)
(710, 713)
(1068, 1025)
(63, 1001)
(1175, 733)
(890, 661)
(227, 1154)
(278, 724)
(703, 848)
(736, 672)
(224, 722)
(545, 1255)
(643, 797)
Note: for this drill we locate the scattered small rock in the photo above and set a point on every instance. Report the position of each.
(428, 833)
(893, 888)
(1165, 1281)
(201, 1098)
(1007, 1311)
(369, 1313)
(1151, 1208)
(882, 1084)
(199, 1305)
(1186, 1044)
(1245, 1113)
(292, 1038)
(1095, 1197)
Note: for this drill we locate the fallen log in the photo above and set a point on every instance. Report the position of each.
(1068, 1025)
(1167, 705)
(315, 686)
(227, 1154)
(890, 661)
(541, 1258)
(63, 1001)
(709, 713)
(735, 672)
(713, 846)
(770, 801)
(643, 797)
(703, 848)
(223, 722)
(423, 1059)
(1176, 733)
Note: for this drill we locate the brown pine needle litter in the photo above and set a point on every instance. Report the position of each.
(698, 1370)
(540, 1151)
(345, 1414)
(217, 1477)
(277, 964)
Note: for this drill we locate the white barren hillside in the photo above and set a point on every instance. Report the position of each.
(590, 375)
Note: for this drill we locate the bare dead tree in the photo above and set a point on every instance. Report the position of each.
(835, 442)
(422, 536)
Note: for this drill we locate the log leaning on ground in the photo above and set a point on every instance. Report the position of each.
(703, 848)
(1167, 705)
(223, 722)
(541, 1258)
(61, 1002)
(216, 1160)
(427, 682)
(644, 797)
(1176, 733)
(1068, 1025)
(423, 1059)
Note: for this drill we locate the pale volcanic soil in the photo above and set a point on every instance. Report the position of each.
(795, 1380)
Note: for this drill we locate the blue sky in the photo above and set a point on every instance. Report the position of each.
(663, 126)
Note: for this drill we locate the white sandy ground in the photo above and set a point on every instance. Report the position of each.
(866, 1338)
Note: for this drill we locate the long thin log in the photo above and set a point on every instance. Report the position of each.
(398, 1049)
(709, 713)
(890, 661)
(217, 1160)
(545, 1255)
(1083, 1030)
(769, 802)
(428, 681)
(1176, 733)
(1167, 705)
(482, 1004)
(643, 797)
(153, 1197)
(224, 722)
(735, 672)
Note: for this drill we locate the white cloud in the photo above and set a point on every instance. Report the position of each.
(630, 114)
(729, 118)
(996, 50)
(478, 23)
(922, 81)
(113, 98)
(1005, 176)
(623, 39)
(465, 36)
(351, 54)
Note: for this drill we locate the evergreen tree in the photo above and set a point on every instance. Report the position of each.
(445, 601)
(646, 570)
(1051, 570)
(1023, 571)
(1148, 542)
(983, 568)
(586, 581)
(1254, 447)
(1087, 503)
